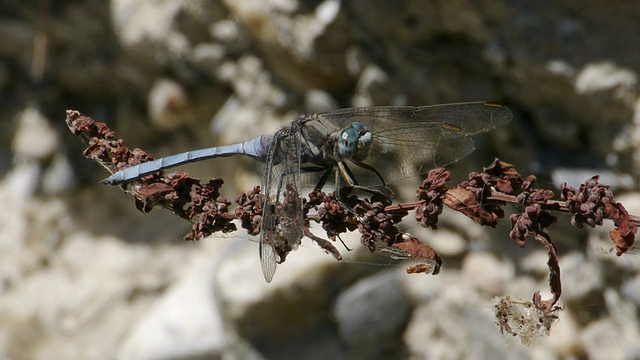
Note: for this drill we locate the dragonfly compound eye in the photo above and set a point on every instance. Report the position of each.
(364, 141)
(355, 141)
(348, 143)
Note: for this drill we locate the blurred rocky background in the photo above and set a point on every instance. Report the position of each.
(83, 275)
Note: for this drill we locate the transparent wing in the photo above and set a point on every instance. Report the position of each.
(409, 141)
(282, 220)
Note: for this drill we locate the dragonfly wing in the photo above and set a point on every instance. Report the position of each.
(408, 141)
(282, 220)
(268, 259)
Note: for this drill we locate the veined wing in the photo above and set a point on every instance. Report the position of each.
(408, 141)
(282, 217)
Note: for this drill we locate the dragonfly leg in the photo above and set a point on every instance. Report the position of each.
(323, 179)
(372, 169)
(348, 176)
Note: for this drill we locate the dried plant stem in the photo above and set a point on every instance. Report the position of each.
(481, 198)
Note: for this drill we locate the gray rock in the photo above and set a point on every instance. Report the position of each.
(168, 104)
(631, 289)
(186, 321)
(614, 337)
(487, 273)
(457, 322)
(581, 276)
(372, 314)
(319, 101)
(35, 138)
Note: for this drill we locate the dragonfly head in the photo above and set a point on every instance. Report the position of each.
(354, 142)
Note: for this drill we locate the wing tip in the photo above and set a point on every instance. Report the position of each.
(501, 115)
(267, 261)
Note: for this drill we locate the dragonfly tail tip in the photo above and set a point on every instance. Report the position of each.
(108, 181)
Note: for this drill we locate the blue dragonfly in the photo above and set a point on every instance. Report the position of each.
(367, 148)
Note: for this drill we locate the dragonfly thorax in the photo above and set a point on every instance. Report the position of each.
(354, 142)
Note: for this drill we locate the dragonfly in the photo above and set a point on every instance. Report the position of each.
(367, 148)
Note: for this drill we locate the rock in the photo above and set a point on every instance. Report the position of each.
(128, 20)
(373, 88)
(564, 336)
(168, 103)
(299, 47)
(88, 283)
(292, 311)
(606, 76)
(319, 101)
(23, 181)
(614, 337)
(449, 244)
(631, 290)
(209, 57)
(487, 273)
(59, 177)
(35, 139)
(186, 321)
(576, 177)
(535, 263)
(581, 277)
(443, 326)
(38, 152)
(371, 314)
